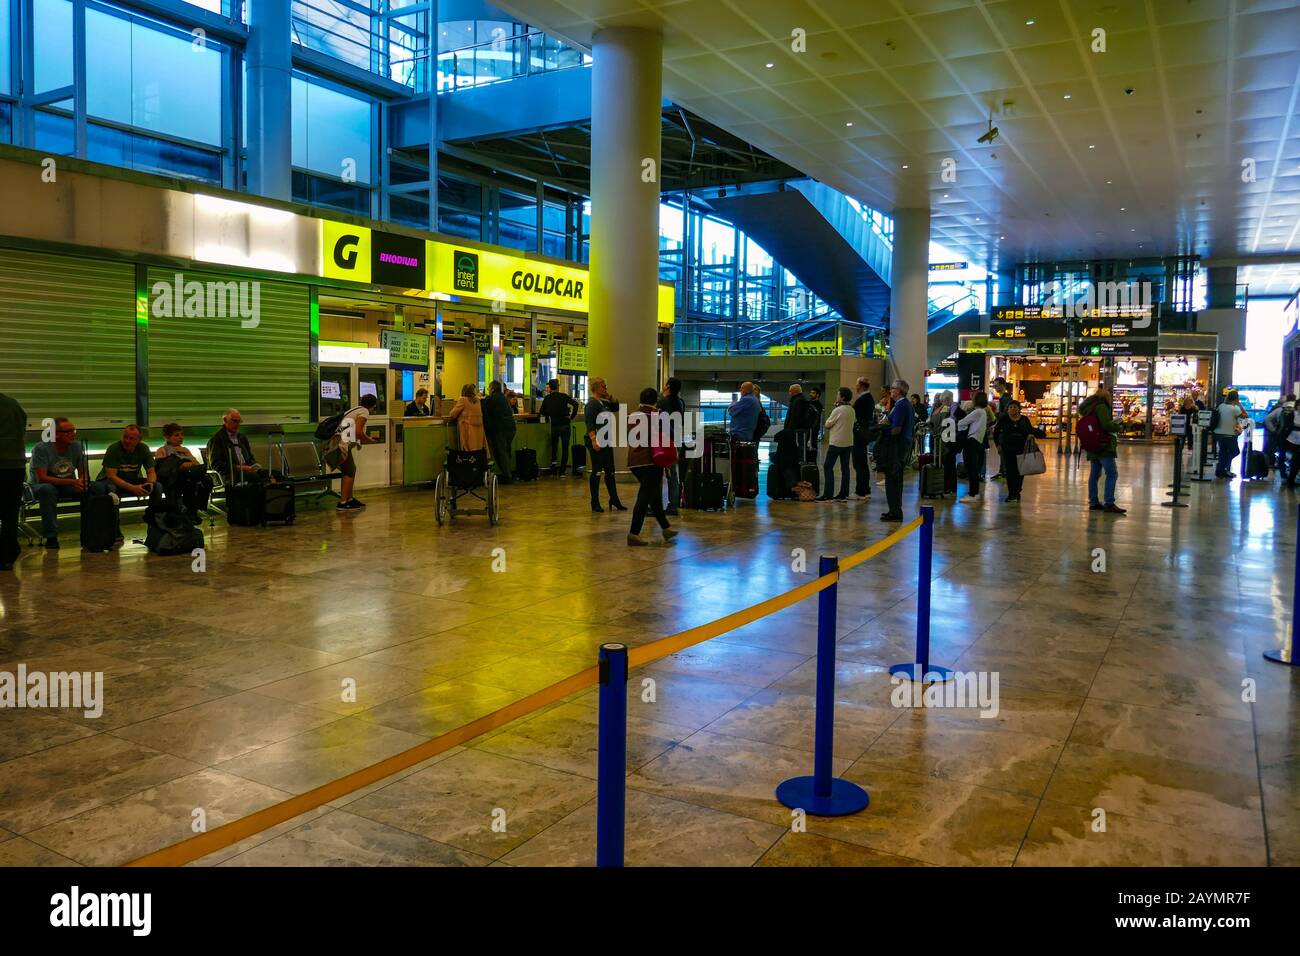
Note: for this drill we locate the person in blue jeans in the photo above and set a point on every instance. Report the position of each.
(1102, 461)
(839, 435)
(60, 471)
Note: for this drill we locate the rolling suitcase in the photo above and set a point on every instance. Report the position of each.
(278, 503)
(578, 454)
(1256, 465)
(808, 472)
(526, 465)
(712, 492)
(932, 482)
(245, 504)
(744, 469)
(99, 522)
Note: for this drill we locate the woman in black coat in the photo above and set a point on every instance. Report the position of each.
(1010, 433)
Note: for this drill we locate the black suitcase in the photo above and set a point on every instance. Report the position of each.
(691, 489)
(932, 482)
(712, 492)
(98, 523)
(526, 465)
(279, 503)
(1256, 465)
(245, 504)
(578, 454)
(808, 472)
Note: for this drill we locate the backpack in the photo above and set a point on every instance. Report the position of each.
(1092, 437)
(1214, 419)
(762, 424)
(329, 427)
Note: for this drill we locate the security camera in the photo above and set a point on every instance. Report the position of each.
(990, 136)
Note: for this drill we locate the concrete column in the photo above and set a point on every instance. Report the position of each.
(908, 302)
(626, 84)
(270, 122)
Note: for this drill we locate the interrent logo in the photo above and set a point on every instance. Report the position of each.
(76, 909)
(634, 430)
(76, 690)
(208, 300)
(967, 689)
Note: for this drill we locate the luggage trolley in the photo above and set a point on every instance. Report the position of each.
(465, 473)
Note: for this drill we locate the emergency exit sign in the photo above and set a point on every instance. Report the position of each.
(1050, 348)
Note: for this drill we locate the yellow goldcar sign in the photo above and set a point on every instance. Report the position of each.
(349, 253)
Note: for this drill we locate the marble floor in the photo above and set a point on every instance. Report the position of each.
(1137, 725)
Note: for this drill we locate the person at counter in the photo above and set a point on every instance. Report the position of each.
(1228, 426)
(59, 470)
(499, 428)
(560, 410)
(420, 407)
(467, 413)
(513, 398)
(602, 457)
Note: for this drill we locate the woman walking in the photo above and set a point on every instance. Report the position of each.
(1011, 434)
(641, 460)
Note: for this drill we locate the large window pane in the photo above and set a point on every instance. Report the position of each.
(140, 76)
(4, 46)
(331, 131)
(136, 151)
(52, 37)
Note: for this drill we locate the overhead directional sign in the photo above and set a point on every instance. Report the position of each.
(1106, 347)
(987, 343)
(1049, 348)
(1019, 313)
(1030, 329)
(1106, 329)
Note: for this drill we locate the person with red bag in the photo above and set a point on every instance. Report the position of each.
(650, 451)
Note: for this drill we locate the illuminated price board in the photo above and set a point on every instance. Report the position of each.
(405, 349)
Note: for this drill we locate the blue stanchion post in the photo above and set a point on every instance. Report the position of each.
(1286, 655)
(611, 759)
(923, 669)
(823, 795)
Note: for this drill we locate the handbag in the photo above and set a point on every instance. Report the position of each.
(1031, 460)
(804, 491)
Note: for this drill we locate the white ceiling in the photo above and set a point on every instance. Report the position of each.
(1102, 173)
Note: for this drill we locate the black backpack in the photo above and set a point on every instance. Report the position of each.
(762, 424)
(329, 427)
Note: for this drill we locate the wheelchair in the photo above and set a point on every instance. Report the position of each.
(465, 474)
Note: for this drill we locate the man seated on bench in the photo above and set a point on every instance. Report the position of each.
(230, 455)
(128, 467)
(60, 471)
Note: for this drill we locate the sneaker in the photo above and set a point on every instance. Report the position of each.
(119, 540)
(1115, 510)
(866, 497)
(52, 544)
(970, 498)
(350, 505)
(888, 517)
(840, 498)
(670, 533)
(636, 541)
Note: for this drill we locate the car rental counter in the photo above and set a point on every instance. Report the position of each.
(426, 440)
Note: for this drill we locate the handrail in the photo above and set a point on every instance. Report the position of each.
(228, 834)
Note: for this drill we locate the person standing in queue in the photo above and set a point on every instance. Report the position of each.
(499, 427)
(601, 403)
(650, 477)
(742, 414)
(1291, 442)
(839, 446)
(559, 410)
(901, 426)
(674, 417)
(944, 409)
(970, 432)
(1230, 416)
(1010, 434)
(13, 461)
(467, 413)
(796, 421)
(815, 412)
(864, 428)
(1103, 460)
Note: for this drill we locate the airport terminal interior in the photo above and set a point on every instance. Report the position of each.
(784, 433)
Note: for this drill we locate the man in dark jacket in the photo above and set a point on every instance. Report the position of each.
(797, 420)
(1103, 461)
(600, 412)
(229, 453)
(13, 459)
(559, 409)
(864, 422)
(499, 427)
(1011, 434)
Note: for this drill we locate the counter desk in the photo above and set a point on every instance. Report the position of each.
(426, 440)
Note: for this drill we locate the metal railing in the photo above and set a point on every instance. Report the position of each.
(828, 336)
(505, 58)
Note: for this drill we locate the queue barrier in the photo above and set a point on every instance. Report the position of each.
(1286, 654)
(611, 674)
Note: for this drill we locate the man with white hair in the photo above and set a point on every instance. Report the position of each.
(864, 426)
(228, 450)
(896, 446)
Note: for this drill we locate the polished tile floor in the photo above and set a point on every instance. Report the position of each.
(1138, 723)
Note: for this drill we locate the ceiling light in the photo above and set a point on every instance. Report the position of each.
(1123, 208)
(905, 165)
(769, 65)
(848, 124)
(1066, 96)
(1109, 181)
(945, 195)
(1029, 22)
(1092, 145)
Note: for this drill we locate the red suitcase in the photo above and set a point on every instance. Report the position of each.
(744, 469)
